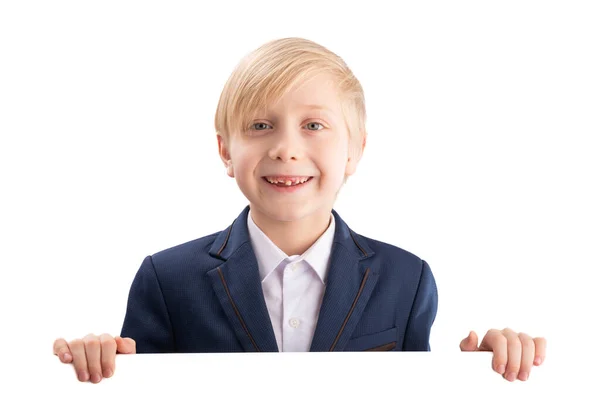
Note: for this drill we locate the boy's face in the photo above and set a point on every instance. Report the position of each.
(292, 140)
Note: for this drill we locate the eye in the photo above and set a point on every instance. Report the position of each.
(259, 123)
(254, 126)
(315, 123)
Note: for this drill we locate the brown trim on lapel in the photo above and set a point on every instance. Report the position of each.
(226, 240)
(358, 245)
(384, 347)
(362, 285)
(234, 307)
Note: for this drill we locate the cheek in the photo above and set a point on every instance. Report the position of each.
(243, 161)
(333, 162)
(244, 171)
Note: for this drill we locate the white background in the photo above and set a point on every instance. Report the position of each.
(482, 158)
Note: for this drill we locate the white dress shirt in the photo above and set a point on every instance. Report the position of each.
(293, 285)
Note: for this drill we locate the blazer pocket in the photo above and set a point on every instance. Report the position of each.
(380, 341)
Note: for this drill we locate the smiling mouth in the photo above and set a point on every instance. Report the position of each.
(287, 181)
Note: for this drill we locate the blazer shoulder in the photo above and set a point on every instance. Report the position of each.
(388, 250)
(391, 254)
(413, 273)
(193, 253)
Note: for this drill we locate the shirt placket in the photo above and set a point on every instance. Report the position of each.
(292, 322)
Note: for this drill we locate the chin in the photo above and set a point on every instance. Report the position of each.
(285, 212)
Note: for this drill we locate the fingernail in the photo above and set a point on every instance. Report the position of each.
(538, 360)
(501, 369)
(511, 377)
(66, 357)
(108, 373)
(96, 377)
(83, 376)
(523, 375)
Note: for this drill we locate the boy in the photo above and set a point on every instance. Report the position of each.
(288, 274)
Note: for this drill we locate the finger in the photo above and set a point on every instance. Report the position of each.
(540, 350)
(469, 343)
(495, 341)
(514, 350)
(527, 355)
(108, 353)
(79, 360)
(61, 349)
(93, 354)
(125, 345)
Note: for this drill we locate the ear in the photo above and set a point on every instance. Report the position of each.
(224, 154)
(355, 155)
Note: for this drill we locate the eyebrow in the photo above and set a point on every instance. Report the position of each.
(319, 107)
(316, 107)
(327, 110)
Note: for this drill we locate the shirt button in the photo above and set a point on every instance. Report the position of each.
(294, 322)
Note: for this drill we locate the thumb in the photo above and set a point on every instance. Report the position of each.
(469, 343)
(125, 345)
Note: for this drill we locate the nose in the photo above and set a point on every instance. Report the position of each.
(287, 145)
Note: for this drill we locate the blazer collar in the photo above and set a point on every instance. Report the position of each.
(231, 239)
(350, 282)
(269, 256)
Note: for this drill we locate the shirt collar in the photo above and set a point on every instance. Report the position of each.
(269, 256)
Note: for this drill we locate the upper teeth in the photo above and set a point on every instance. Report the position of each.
(288, 181)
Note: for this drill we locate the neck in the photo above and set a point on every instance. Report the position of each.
(292, 237)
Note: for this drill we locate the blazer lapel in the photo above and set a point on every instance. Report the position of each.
(349, 284)
(236, 282)
(237, 285)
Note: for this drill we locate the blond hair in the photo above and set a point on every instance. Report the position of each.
(265, 75)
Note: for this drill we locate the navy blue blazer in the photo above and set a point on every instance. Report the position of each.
(205, 296)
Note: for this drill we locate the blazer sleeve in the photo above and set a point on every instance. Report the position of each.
(147, 319)
(423, 313)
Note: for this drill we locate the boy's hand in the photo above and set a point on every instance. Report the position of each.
(93, 356)
(514, 353)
